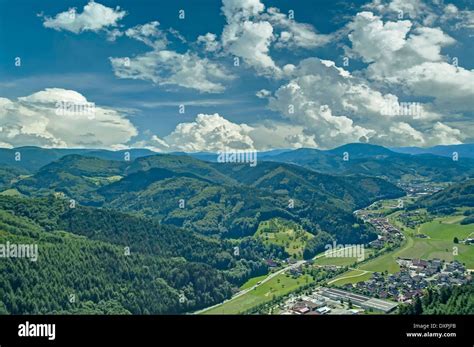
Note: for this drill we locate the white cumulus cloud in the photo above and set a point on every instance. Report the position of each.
(336, 108)
(294, 34)
(208, 132)
(35, 120)
(251, 32)
(149, 34)
(94, 17)
(170, 68)
(166, 67)
(412, 60)
(212, 133)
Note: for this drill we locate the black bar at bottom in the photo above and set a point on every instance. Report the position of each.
(304, 330)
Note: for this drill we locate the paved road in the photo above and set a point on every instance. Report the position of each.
(268, 278)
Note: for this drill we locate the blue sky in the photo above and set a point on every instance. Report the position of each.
(321, 79)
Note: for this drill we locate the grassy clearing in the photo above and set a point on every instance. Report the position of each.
(430, 249)
(387, 262)
(441, 233)
(466, 255)
(284, 233)
(352, 276)
(341, 261)
(11, 192)
(447, 228)
(388, 206)
(440, 244)
(277, 286)
(100, 181)
(253, 281)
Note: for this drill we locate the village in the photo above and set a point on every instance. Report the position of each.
(414, 276)
(421, 188)
(384, 291)
(381, 294)
(386, 232)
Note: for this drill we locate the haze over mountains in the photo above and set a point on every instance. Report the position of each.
(35, 157)
(379, 161)
(465, 150)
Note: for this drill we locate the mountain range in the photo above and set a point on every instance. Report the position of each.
(228, 200)
(181, 216)
(33, 158)
(463, 150)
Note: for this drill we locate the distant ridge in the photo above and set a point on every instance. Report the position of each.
(373, 160)
(464, 150)
(33, 158)
(361, 150)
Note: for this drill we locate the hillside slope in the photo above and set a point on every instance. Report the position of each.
(228, 200)
(456, 195)
(370, 160)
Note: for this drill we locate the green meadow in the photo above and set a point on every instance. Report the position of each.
(284, 233)
(279, 285)
(439, 244)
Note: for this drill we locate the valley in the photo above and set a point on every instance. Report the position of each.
(218, 238)
(439, 245)
(189, 164)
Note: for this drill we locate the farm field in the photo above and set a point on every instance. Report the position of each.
(438, 244)
(340, 261)
(387, 262)
(447, 228)
(352, 276)
(281, 284)
(431, 248)
(389, 205)
(441, 233)
(253, 281)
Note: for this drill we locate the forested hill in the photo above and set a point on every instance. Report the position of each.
(31, 158)
(433, 164)
(371, 160)
(444, 300)
(456, 195)
(227, 200)
(83, 251)
(180, 218)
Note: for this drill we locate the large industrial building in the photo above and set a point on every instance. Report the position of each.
(359, 300)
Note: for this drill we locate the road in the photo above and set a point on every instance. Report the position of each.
(408, 243)
(268, 278)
